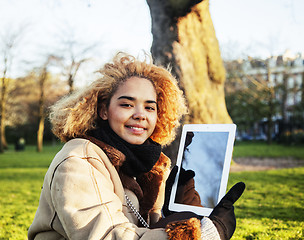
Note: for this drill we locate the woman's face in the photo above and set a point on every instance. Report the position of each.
(132, 112)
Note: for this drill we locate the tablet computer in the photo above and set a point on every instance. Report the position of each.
(207, 150)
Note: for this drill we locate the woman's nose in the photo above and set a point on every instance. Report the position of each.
(139, 115)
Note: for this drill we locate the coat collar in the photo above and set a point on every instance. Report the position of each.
(147, 186)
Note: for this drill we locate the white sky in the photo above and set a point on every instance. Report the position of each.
(243, 27)
(258, 27)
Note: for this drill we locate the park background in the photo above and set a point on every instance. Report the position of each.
(51, 48)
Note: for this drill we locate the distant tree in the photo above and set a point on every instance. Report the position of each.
(41, 112)
(291, 90)
(252, 98)
(298, 110)
(32, 95)
(42, 81)
(9, 42)
(22, 93)
(184, 38)
(249, 101)
(73, 55)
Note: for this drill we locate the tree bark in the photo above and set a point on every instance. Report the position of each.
(184, 37)
(284, 90)
(3, 142)
(40, 134)
(40, 131)
(271, 105)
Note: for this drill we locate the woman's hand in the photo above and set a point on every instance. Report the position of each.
(177, 216)
(223, 216)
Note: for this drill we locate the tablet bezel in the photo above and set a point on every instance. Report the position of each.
(230, 129)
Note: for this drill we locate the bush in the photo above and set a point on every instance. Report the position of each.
(295, 137)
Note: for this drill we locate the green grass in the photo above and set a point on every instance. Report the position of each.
(262, 150)
(21, 178)
(29, 158)
(270, 208)
(19, 198)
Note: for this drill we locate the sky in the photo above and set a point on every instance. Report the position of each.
(257, 28)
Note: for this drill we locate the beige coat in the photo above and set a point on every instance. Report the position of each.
(83, 197)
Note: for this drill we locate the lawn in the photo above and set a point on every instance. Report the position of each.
(272, 204)
(271, 207)
(21, 178)
(262, 150)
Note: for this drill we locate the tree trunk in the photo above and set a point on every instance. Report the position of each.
(284, 102)
(271, 106)
(40, 135)
(184, 37)
(71, 83)
(41, 110)
(3, 142)
(2, 128)
(164, 30)
(270, 121)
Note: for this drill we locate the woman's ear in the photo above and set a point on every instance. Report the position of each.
(103, 112)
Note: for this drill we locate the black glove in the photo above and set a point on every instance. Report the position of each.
(223, 216)
(177, 216)
(184, 177)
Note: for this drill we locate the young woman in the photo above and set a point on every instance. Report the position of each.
(108, 181)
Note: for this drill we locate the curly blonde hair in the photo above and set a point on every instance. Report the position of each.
(76, 114)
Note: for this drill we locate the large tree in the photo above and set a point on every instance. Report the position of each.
(184, 37)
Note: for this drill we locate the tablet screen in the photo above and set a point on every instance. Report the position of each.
(205, 149)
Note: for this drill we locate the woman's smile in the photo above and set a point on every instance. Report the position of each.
(136, 129)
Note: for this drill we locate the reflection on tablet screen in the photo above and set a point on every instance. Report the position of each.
(205, 149)
(204, 153)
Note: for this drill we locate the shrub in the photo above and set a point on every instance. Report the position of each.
(295, 137)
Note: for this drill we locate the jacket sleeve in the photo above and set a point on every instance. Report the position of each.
(86, 204)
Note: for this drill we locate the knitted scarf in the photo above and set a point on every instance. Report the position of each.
(139, 158)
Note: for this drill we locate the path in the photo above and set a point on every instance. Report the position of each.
(260, 164)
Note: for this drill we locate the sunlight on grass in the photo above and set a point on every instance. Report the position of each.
(266, 228)
(19, 198)
(272, 204)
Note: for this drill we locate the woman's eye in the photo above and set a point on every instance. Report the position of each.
(126, 105)
(150, 108)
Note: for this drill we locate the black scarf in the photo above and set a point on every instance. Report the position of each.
(139, 158)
